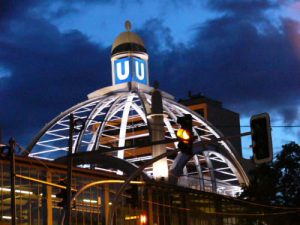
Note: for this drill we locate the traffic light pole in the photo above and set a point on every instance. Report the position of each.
(68, 208)
(12, 145)
(234, 136)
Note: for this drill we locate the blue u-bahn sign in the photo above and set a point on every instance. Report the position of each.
(130, 69)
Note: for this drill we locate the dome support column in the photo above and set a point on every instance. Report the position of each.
(160, 168)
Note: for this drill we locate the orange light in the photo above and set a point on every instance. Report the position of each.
(183, 134)
(143, 219)
(131, 217)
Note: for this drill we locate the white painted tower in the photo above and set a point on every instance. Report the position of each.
(129, 58)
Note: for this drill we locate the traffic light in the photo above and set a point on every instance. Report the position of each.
(261, 138)
(63, 196)
(185, 134)
(143, 219)
(132, 197)
(4, 151)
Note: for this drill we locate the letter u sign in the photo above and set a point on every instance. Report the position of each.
(122, 70)
(140, 70)
(130, 69)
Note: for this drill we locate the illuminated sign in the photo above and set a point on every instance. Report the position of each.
(122, 70)
(140, 70)
(130, 69)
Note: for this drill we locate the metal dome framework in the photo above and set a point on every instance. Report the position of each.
(120, 118)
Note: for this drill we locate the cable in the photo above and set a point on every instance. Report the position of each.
(262, 205)
(272, 126)
(252, 214)
(224, 213)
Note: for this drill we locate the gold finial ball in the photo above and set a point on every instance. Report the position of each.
(128, 25)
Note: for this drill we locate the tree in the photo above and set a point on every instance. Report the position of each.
(287, 163)
(278, 182)
(263, 184)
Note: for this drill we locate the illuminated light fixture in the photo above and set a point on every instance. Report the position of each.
(5, 189)
(90, 201)
(17, 191)
(160, 170)
(6, 217)
(143, 218)
(52, 196)
(109, 203)
(131, 217)
(24, 192)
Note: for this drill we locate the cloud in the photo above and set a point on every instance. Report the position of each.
(50, 71)
(290, 114)
(245, 9)
(250, 68)
(157, 37)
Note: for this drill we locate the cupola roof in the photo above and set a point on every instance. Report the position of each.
(128, 41)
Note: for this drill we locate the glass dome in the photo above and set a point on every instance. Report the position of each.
(118, 116)
(117, 121)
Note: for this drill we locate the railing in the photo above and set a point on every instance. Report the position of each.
(207, 185)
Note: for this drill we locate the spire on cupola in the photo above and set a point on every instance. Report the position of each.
(129, 58)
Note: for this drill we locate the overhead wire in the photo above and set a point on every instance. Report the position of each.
(290, 209)
(224, 213)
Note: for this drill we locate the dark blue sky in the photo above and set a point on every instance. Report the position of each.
(244, 53)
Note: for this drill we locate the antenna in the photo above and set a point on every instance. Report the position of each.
(128, 25)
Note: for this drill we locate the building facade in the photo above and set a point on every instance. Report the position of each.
(156, 203)
(225, 120)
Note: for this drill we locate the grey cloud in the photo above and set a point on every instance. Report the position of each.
(232, 61)
(51, 71)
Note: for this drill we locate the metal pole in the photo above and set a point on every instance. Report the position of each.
(12, 145)
(43, 182)
(69, 176)
(156, 123)
(234, 136)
